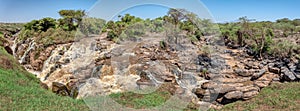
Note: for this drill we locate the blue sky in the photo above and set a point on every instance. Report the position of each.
(221, 10)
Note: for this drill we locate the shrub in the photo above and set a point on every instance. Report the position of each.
(162, 44)
(206, 50)
(1, 34)
(91, 26)
(283, 48)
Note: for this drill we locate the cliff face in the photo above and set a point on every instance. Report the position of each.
(208, 73)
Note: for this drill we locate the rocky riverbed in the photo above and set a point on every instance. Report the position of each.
(97, 66)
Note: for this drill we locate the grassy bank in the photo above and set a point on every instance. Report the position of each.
(278, 96)
(20, 90)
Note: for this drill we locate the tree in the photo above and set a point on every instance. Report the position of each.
(91, 26)
(47, 23)
(245, 30)
(41, 25)
(33, 25)
(127, 18)
(284, 20)
(176, 16)
(296, 22)
(71, 18)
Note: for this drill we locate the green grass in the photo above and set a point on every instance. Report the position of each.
(278, 96)
(4, 56)
(20, 91)
(140, 101)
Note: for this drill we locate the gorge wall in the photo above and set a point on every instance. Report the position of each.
(97, 66)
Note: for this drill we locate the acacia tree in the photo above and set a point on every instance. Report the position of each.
(244, 31)
(47, 23)
(176, 16)
(71, 18)
(41, 25)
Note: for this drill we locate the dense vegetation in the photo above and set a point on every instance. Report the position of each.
(49, 31)
(9, 29)
(177, 21)
(19, 90)
(265, 39)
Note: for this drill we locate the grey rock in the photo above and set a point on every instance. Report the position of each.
(287, 74)
(264, 62)
(297, 70)
(243, 72)
(297, 75)
(276, 79)
(271, 64)
(258, 75)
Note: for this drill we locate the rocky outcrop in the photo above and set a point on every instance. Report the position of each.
(97, 66)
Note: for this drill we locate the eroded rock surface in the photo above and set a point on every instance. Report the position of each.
(97, 66)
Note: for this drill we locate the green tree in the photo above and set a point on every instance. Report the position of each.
(91, 26)
(296, 22)
(46, 23)
(284, 20)
(71, 18)
(176, 16)
(41, 25)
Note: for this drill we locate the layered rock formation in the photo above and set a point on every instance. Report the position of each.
(97, 66)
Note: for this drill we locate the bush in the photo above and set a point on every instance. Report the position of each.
(135, 30)
(206, 50)
(1, 34)
(91, 26)
(283, 48)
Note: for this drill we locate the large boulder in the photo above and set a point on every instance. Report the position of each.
(297, 70)
(287, 75)
(273, 69)
(265, 80)
(258, 75)
(297, 75)
(234, 95)
(243, 72)
(249, 95)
